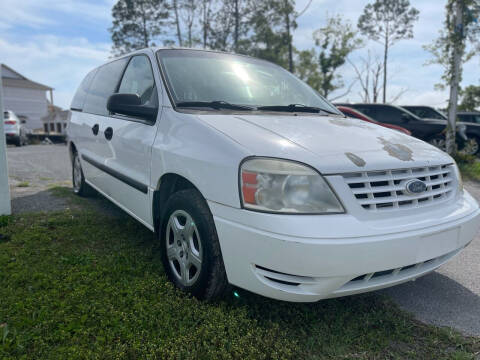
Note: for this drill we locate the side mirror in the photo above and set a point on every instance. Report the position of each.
(406, 117)
(131, 105)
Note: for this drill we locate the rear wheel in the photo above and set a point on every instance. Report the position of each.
(80, 187)
(190, 248)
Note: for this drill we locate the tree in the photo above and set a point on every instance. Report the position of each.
(387, 22)
(450, 50)
(230, 26)
(307, 68)
(335, 42)
(268, 38)
(137, 24)
(368, 75)
(177, 22)
(470, 99)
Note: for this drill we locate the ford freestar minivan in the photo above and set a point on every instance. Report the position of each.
(250, 178)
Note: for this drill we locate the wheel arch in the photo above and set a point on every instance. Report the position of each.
(72, 149)
(167, 185)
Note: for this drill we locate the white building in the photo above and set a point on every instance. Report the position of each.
(56, 121)
(25, 98)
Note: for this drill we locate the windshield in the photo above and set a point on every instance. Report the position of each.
(201, 76)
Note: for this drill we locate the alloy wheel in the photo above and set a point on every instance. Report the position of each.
(184, 247)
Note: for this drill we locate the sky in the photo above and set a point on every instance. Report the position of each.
(56, 42)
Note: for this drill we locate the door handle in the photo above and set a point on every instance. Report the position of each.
(108, 133)
(95, 129)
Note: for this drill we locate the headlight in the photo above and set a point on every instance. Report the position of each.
(284, 186)
(458, 175)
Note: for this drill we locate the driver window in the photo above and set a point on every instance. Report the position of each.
(138, 79)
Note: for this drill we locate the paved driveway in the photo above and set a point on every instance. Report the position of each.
(449, 296)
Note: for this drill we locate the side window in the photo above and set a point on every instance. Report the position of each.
(79, 98)
(103, 85)
(367, 111)
(138, 79)
(477, 119)
(388, 114)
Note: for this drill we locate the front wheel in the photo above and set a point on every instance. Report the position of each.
(190, 248)
(471, 146)
(439, 142)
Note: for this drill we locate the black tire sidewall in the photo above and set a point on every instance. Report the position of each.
(193, 203)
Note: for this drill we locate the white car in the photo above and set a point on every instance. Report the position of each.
(13, 128)
(250, 178)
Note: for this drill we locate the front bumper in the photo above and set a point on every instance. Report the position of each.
(306, 258)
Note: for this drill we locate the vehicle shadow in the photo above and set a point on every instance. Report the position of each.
(439, 300)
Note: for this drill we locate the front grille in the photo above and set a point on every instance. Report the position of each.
(386, 190)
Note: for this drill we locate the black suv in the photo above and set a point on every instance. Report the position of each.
(469, 116)
(430, 130)
(470, 121)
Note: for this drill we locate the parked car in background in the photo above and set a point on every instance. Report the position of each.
(429, 130)
(15, 132)
(249, 177)
(352, 113)
(425, 112)
(465, 120)
(469, 116)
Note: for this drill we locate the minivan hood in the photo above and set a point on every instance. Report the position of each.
(330, 143)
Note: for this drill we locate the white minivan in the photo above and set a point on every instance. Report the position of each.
(250, 178)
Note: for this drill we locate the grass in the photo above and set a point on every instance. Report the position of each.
(23, 184)
(80, 284)
(469, 166)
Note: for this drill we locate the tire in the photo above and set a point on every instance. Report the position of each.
(439, 142)
(18, 142)
(191, 255)
(80, 187)
(472, 146)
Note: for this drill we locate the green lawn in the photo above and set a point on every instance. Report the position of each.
(82, 284)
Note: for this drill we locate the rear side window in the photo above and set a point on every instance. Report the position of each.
(6, 115)
(79, 98)
(138, 79)
(370, 111)
(103, 85)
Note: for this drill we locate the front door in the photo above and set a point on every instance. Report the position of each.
(127, 143)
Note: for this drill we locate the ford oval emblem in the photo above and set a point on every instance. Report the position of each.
(415, 186)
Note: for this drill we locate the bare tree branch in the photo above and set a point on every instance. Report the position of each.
(349, 89)
(304, 9)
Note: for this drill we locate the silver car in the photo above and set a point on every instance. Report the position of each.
(13, 127)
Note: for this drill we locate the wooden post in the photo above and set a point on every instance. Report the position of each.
(5, 206)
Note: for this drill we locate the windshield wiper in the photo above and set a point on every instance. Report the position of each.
(295, 108)
(214, 105)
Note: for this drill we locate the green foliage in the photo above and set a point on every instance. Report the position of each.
(81, 285)
(137, 24)
(451, 40)
(388, 21)
(335, 41)
(268, 37)
(470, 98)
(307, 68)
